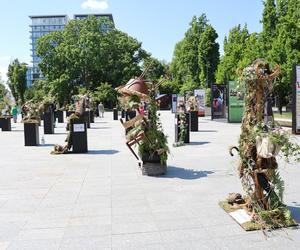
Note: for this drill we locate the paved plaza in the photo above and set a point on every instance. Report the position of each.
(100, 200)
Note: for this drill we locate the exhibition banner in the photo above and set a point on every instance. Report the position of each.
(218, 105)
(236, 102)
(200, 97)
(296, 99)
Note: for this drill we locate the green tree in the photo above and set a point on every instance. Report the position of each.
(234, 49)
(84, 54)
(285, 47)
(155, 68)
(17, 80)
(106, 94)
(209, 55)
(3, 90)
(197, 50)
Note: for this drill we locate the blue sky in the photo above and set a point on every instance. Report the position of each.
(158, 24)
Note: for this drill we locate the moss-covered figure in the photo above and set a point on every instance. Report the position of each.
(261, 140)
(81, 102)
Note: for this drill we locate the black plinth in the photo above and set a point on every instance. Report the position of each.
(48, 123)
(31, 134)
(194, 121)
(123, 113)
(59, 115)
(187, 128)
(115, 114)
(87, 119)
(130, 115)
(5, 123)
(92, 116)
(79, 136)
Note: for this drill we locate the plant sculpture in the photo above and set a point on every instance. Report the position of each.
(81, 102)
(31, 112)
(182, 124)
(261, 140)
(146, 131)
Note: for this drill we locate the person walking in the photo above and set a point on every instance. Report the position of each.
(101, 109)
(14, 112)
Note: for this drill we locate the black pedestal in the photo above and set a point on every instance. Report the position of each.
(123, 113)
(92, 116)
(79, 136)
(130, 115)
(59, 115)
(31, 134)
(115, 114)
(187, 128)
(5, 123)
(194, 121)
(49, 123)
(87, 118)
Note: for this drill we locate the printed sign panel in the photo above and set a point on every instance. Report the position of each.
(298, 98)
(78, 127)
(218, 101)
(200, 97)
(236, 102)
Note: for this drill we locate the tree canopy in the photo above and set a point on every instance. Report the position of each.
(196, 56)
(17, 80)
(85, 55)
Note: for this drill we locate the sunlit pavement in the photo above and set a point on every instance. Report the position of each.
(100, 200)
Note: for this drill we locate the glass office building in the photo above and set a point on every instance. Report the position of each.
(42, 25)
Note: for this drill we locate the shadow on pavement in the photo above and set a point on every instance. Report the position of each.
(102, 152)
(205, 131)
(197, 143)
(100, 128)
(295, 213)
(187, 174)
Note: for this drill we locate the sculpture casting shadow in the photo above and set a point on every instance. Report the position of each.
(197, 143)
(295, 212)
(103, 152)
(205, 131)
(186, 174)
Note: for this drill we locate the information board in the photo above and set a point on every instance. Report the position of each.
(236, 102)
(296, 99)
(200, 97)
(218, 105)
(78, 127)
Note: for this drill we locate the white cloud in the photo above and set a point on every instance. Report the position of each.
(95, 5)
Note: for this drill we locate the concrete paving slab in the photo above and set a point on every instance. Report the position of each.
(100, 200)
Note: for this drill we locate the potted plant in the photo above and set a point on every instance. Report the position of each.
(142, 130)
(31, 120)
(153, 149)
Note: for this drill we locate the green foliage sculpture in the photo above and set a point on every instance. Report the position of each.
(261, 140)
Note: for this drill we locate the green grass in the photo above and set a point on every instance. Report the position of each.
(251, 226)
(285, 115)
